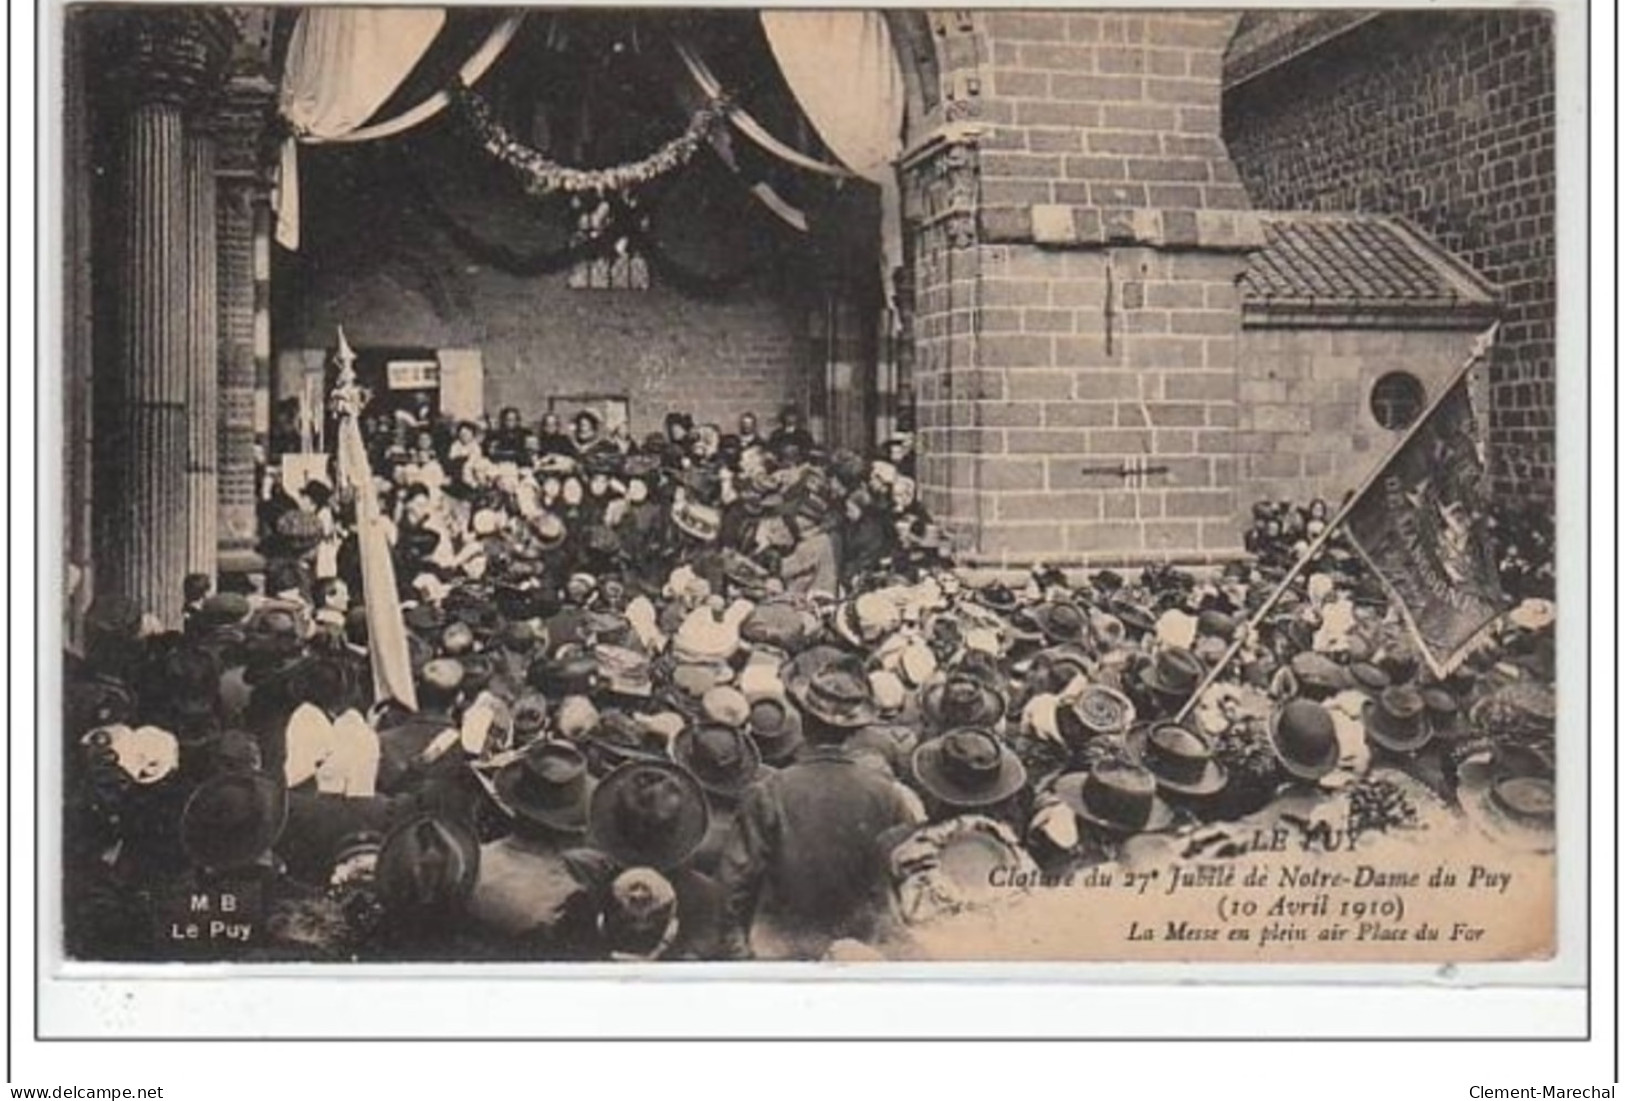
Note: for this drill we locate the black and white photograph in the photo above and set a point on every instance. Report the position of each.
(853, 487)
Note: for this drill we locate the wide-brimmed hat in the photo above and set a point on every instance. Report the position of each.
(649, 813)
(1509, 803)
(723, 759)
(1397, 720)
(1062, 624)
(426, 867)
(233, 819)
(1181, 759)
(1304, 738)
(968, 767)
(1094, 712)
(836, 694)
(1172, 671)
(725, 705)
(549, 785)
(1118, 796)
(1216, 623)
(997, 596)
(959, 700)
(221, 610)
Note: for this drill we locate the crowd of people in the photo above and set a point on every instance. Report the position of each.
(721, 695)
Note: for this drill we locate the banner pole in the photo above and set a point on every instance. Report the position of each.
(1485, 341)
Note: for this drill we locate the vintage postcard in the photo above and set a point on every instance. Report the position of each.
(587, 484)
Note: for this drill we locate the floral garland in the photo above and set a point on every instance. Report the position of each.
(541, 176)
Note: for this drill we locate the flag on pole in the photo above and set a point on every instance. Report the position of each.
(1420, 524)
(386, 629)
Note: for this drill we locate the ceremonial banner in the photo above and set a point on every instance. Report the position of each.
(386, 630)
(1420, 524)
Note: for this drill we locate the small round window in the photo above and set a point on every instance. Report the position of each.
(1397, 400)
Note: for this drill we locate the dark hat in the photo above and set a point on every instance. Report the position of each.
(1055, 668)
(426, 868)
(996, 596)
(519, 637)
(724, 760)
(1304, 739)
(1173, 671)
(1509, 801)
(1118, 796)
(968, 767)
(570, 672)
(1136, 618)
(233, 819)
(425, 619)
(960, 700)
(701, 521)
(1369, 678)
(1181, 759)
(1318, 676)
(548, 785)
(1062, 623)
(837, 694)
(1397, 720)
(649, 813)
(777, 624)
(775, 728)
(222, 610)
(1217, 624)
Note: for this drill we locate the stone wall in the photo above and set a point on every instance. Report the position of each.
(1076, 307)
(1450, 120)
(1306, 428)
(664, 349)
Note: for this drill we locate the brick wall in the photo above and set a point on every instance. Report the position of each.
(1085, 320)
(1305, 423)
(1448, 119)
(665, 349)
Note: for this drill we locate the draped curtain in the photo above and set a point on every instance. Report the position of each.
(343, 64)
(845, 75)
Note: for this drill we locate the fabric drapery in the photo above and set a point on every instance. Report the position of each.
(844, 73)
(343, 64)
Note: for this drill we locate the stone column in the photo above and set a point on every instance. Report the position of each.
(241, 122)
(203, 358)
(161, 61)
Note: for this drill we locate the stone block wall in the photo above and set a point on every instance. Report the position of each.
(1449, 119)
(1305, 426)
(1076, 310)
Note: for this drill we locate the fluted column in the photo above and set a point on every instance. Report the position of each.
(203, 357)
(160, 63)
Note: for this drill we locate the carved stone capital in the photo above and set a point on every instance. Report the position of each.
(174, 56)
(941, 187)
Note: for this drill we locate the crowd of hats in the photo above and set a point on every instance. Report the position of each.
(1037, 725)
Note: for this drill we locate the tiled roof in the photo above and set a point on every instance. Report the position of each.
(1356, 261)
